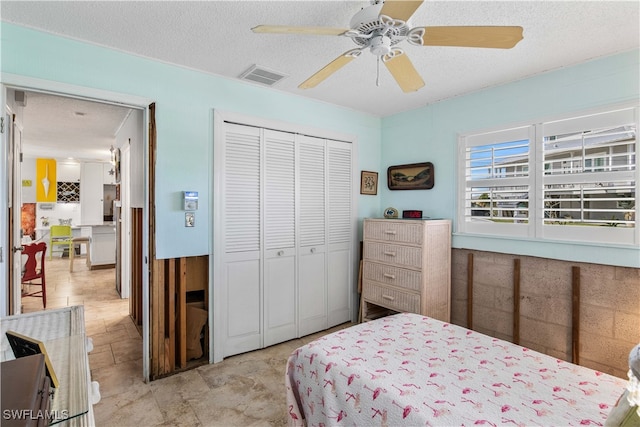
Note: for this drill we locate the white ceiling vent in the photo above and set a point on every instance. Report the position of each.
(262, 75)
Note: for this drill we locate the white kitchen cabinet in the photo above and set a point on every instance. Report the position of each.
(91, 193)
(68, 172)
(103, 245)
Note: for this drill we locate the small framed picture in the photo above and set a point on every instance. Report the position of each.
(369, 183)
(23, 346)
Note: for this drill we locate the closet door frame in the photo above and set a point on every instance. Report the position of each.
(216, 298)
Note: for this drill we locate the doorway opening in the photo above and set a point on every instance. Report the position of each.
(81, 144)
(94, 147)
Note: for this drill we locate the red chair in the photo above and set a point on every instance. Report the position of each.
(34, 270)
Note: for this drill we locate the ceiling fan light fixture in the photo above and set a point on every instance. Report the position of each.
(368, 23)
(384, 24)
(380, 45)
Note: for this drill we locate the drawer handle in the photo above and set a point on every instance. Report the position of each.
(389, 276)
(390, 253)
(388, 297)
(390, 232)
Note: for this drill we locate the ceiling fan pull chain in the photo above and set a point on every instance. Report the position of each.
(378, 73)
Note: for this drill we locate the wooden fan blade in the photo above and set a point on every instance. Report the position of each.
(493, 37)
(400, 9)
(329, 69)
(404, 72)
(283, 29)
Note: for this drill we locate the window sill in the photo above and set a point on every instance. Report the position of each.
(622, 255)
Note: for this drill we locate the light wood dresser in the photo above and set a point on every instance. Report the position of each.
(406, 267)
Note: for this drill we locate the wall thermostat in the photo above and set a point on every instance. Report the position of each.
(190, 200)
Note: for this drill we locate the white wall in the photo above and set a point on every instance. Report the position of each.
(131, 134)
(129, 139)
(29, 173)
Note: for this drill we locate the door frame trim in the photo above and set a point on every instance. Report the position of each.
(216, 344)
(15, 81)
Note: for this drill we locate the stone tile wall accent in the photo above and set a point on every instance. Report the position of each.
(609, 306)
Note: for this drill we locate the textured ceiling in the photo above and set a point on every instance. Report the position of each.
(215, 37)
(55, 126)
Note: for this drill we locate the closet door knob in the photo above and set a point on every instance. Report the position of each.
(280, 253)
(313, 250)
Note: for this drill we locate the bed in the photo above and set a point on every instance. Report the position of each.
(408, 369)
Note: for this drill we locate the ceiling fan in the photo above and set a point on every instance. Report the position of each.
(381, 26)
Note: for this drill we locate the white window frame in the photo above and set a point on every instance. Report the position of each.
(535, 228)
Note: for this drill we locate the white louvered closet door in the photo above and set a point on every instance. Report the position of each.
(286, 233)
(312, 250)
(241, 291)
(279, 237)
(340, 231)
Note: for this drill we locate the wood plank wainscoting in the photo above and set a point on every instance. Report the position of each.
(176, 283)
(583, 313)
(135, 296)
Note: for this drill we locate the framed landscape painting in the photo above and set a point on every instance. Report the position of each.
(414, 176)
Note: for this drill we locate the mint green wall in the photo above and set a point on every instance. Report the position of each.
(184, 102)
(430, 134)
(185, 99)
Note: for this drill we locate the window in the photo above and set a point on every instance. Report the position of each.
(570, 179)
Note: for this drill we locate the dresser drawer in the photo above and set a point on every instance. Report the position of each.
(403, 256)
(390, 275)
(394, 299)
(406, 231)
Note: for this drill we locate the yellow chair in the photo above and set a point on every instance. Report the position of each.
(60, 235)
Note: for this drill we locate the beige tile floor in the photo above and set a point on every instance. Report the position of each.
(243, 390)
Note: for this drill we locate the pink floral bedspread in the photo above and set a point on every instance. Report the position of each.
(412, 370)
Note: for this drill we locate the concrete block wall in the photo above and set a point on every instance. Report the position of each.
(609, 306)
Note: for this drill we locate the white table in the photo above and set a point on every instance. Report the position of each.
(63, 334)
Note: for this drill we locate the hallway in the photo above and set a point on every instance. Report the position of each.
(115, 338)
(242, 390)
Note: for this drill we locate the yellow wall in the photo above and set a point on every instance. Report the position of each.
(46, 171)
